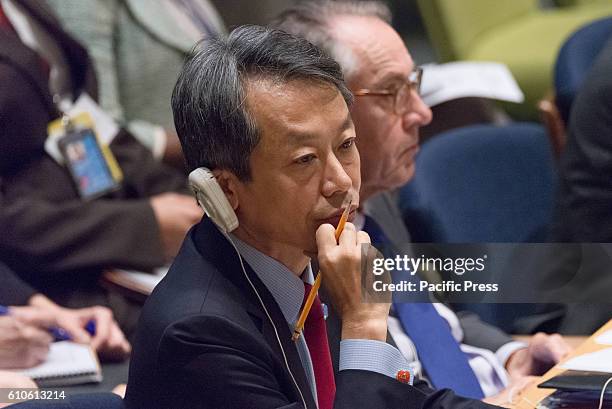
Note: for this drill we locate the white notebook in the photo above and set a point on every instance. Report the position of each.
(68, 363)
(598, 361)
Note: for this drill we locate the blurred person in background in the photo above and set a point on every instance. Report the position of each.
(583, 211)
(137, 48)
(54, 238)
(387, 114)
(24, 329)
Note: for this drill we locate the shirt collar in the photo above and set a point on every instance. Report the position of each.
(286, 288)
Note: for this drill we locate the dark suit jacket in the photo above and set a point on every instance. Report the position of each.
(204, 341)
(584, 201)
(583, 212)
(50, 236)
(13, 291)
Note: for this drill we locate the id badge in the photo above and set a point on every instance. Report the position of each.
(92, 165)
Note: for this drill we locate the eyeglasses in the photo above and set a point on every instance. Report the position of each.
(402, 101)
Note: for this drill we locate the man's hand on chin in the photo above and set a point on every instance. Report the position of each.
(542, 353)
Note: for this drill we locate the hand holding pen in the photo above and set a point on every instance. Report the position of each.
(24, 345)
(41, 319)
(299, 326)
(341, 265)
(93, 325)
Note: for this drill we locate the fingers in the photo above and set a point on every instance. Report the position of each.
(103, 318)
(549, 348)
(558, 348)
(348, 238)
(325, 236)
(363, 237)
(33, 316)
(14, 380)
(35, 346)
(37, 337)
(76, 331)
(193, 212)
(116, 347)
(38, 355)
(109, 340)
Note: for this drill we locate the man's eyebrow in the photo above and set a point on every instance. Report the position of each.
(297, 137)
(394, 76)
(347, 123)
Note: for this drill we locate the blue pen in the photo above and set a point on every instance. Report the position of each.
(59, 334)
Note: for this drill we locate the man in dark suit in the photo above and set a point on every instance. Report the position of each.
(583, 209)
(52, 237)
(267, 112)
(388, 113)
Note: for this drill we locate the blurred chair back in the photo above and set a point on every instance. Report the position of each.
(454, 25)
(79, 401)
(575, 60)
(518, 33)
(482, 183)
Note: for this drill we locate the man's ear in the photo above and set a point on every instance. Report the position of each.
(228, 182)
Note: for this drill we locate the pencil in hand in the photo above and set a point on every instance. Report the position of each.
(299, 326)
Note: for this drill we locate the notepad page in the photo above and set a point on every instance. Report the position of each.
(599, 361)
(147, 280)
(65, 359)
(605, 338)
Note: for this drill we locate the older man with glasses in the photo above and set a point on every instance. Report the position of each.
(451, 351)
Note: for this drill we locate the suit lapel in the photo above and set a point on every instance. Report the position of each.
(384, 210)
(216, 249)
(26, 61)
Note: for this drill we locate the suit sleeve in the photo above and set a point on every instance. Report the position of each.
(44, 236)
(48, 228)
(226, 365)
(230, 368)
(45, 226)
(583, 211)
(20, 136)
(13, 291)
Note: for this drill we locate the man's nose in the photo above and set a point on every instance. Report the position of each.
(419, 114)
(337, 180)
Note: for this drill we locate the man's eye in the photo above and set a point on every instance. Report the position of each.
(348, 143)
(305, 159)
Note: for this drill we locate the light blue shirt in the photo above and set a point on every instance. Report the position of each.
(288, 291)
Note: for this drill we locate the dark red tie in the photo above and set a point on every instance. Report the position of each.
(315, 335)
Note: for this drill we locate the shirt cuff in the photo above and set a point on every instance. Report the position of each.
(508, 349)
(371, 355)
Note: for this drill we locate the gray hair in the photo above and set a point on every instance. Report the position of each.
(211, 116)
(313, 21)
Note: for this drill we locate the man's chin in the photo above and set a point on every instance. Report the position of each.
(311, 253)
(311, 249)
(400, 177)
(409, 173)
